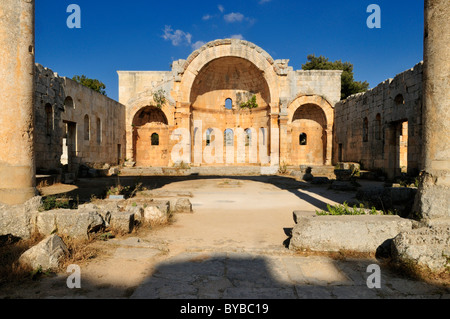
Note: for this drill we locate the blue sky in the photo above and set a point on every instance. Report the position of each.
(149, 35)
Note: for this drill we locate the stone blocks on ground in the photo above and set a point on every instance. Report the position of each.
(46, 254)
(154, 215)
(363, 233)
(17, 220)
(183, 205)
(426, 247)
(122, 221)
(72, 223)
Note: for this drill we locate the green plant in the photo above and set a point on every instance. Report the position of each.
(340, 210)
(93, 84)
(283, 168)
(348, 84)
(52, 202)
(118, 190)
(250, 104)
(36, 273)
(160, 98)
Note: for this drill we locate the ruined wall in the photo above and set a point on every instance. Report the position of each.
(197, 90)
(324, 83)
(75, 125)
(382, 128)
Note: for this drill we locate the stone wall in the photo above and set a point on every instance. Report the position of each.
(197, 90)
(382, 128)
(75, 125)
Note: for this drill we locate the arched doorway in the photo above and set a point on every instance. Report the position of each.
(150, 137)
(309, 136)
(219, 99)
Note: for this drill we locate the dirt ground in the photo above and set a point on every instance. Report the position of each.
(250, 215)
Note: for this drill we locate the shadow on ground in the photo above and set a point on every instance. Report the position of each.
(242, 276)
(89, 187)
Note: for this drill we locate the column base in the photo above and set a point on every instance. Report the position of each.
(16, 196)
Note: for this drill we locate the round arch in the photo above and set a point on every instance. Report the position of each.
(229, 48)
(319, 148)
(142, 101)
(300, 100)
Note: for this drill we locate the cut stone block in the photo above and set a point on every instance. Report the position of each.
(46, 254)
(364, 233)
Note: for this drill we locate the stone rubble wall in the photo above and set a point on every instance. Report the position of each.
(52, 111)
(380, 149)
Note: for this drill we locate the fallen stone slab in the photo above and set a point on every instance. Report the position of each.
(45, 255)
(17, 220)
(183, 205)
(155, 216)
(123, 222)
(362, 233)
(73, 223)
(426, 247)
(343, 174)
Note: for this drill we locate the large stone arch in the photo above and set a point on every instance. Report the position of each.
(229, 48)
(318, 111)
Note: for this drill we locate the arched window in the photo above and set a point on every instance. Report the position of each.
(208, 136)
(248, 137)
(399, 100)
(229, 137)
(155, 139)
(366, 130)
(87, 128)
(48, 119)
(303, 139)
(229, 104)
(262, 132)
(378, 127)
(99, 131)
(68, 103)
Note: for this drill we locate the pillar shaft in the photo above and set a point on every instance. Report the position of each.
(17, 168)
(434, 192)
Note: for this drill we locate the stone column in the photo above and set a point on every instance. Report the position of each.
(274, 140)
(433, 199)
(329, 154)
(284, 145)
(17, 168)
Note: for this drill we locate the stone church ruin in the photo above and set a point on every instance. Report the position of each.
(236, 104)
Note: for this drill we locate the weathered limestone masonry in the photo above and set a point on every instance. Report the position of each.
(205, 91)
(382, 128)
(17, 178)
(75, 125)
(434, 192)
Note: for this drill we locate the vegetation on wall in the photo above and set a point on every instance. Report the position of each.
(93, 84)
(250, 104)
(160, 98)
(349, 85)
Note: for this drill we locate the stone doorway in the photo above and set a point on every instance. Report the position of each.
(397, 148)
(309, 136)
(151, 137)
(69, 147)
